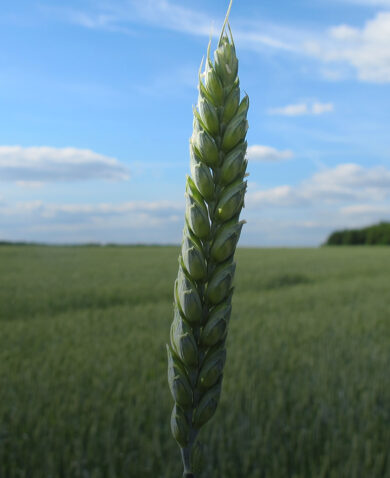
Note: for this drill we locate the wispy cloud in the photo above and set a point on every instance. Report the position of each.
(347, 182)
(296, 109)
(363, 209)
(346, 196)
(320, 108)
(253, 40)
(300, 109)
(133, 221)
(122, 15)
(118, 16)
(259, 152)
(42, 164)
(365, 49)
(158, 210)
(369, 3)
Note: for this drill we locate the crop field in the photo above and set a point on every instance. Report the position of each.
(83, 388)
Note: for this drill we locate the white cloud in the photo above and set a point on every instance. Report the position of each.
(128, 222)
(290, 110)
(320, 108)
(346, 196)
(366, 49)
(344, 183)
(300, 109)
(364, 209)
(158, 209)
(342, 48)
(31, 166)
(259, 152)
(277, 196)
(358, 215)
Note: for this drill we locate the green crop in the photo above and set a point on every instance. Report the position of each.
(83, 388)
(203, 289)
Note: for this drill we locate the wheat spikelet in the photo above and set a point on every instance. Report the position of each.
(203, 289)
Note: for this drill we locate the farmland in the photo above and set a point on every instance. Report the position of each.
(83, 390)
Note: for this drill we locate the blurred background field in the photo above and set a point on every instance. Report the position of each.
(83, 389)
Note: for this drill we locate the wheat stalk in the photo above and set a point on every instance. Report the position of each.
(203, 289)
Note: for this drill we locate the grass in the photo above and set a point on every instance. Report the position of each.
(83, 391)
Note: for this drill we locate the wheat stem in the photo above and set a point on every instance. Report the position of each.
(204, 286)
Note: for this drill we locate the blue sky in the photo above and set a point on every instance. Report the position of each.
(96, 112)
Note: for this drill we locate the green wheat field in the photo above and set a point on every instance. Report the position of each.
(83, 388)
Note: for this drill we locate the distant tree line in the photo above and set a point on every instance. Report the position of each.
(379, 234)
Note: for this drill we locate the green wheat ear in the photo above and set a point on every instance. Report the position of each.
(203, 289)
